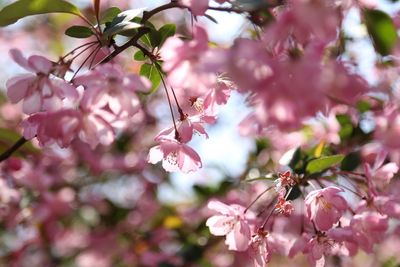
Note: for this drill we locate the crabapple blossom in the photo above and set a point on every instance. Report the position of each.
(175, 156)
(365, 229)
(197, 7)
(380, 174)
(185, 68)
(231, 223)
(325, 207)
(259, 249)
(109, 86)
(284, 207)
(61, 126)
(315, 248)
(38, 91)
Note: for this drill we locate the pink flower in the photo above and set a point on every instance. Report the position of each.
(284, 180)
(230, 223)
(325, 207)
(108, 86)
(197, 7)
(175, 155)
(365, 229)
(37, 90)
(321, 23)
(189, 126)
(8, 196)
(218, 96)
(380, 174)
(388, 128)
(60, 127)
(284, 207)
(369, 228)
(315, 248)
(98, 126)
(260, 250)
(191, 64)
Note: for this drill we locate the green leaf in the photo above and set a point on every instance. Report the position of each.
(351, 161)
(139, 56)
(166, 31)
(155, 38)
(323, 163)
(109, 14)
(363, 106)
(346, 126)
(150, 71)
(122, 22)
(381, 29)
(23, 8)
(151, 39)
(79, 32)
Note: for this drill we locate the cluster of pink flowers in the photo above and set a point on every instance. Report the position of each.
(192, 73)
(59, 114)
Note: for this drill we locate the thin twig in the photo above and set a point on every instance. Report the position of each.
(76, 48)
(257, 198)
(6, 154)
(177, 137)
(83, 63)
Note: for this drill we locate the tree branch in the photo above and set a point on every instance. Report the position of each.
(6, 154)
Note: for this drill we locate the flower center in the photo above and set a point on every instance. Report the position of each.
(325, 204)
(172, 158)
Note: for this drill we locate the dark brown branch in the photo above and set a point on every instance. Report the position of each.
(6, 154)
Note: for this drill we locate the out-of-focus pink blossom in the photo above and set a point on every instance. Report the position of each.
(38, 91)
(231, 223)
(197, 7)
(366, 229)
(388, 128)
(315, 248)
(60, 127)
(325, 207)
(321, 24)
(108, 85)
(379, 174)
(190, 64)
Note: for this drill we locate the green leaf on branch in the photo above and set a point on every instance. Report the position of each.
(151, 39)
(79, 32)
(23, 8)
(351, 161)
(139, 56)
(166, 31)
(109, 14)
(382, 30)
(151, 72)
(123, 22)
(323, 163)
